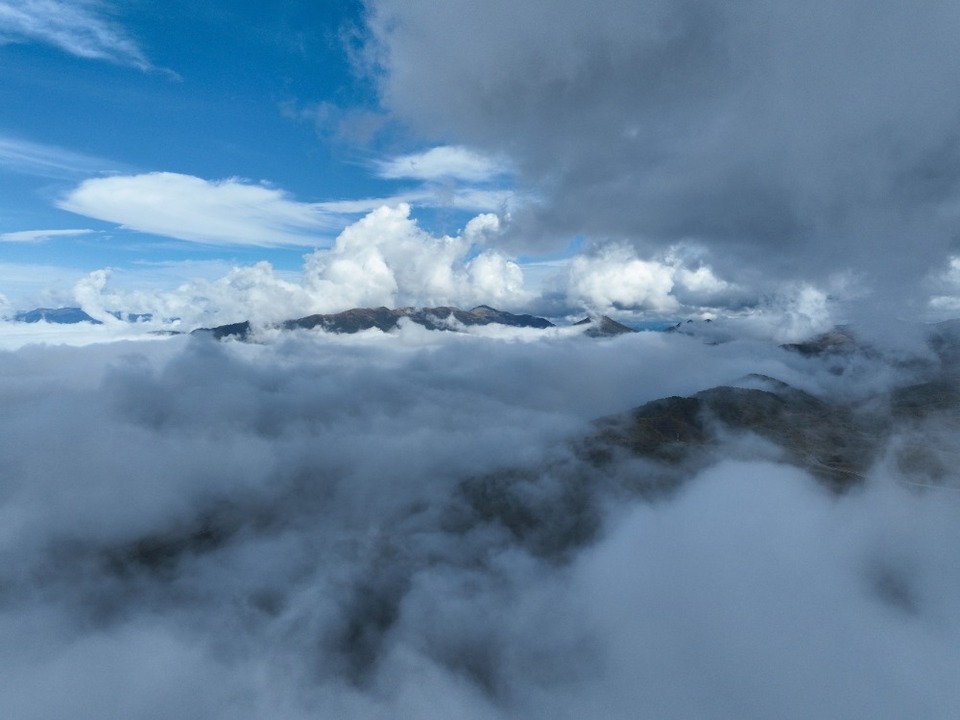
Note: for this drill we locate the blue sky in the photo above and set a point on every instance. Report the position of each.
(263, 99)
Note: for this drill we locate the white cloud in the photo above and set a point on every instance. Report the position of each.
(449, 177)
(37, 236)
(443, 162)
(224, 212)
(615, 278)
(387, 259)
(366, 205)
(612, 278)
(76, 27)
(88, 294)
(256, 292)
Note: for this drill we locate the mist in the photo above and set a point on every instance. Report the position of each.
(403, 525)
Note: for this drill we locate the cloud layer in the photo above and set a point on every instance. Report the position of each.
(394, 526)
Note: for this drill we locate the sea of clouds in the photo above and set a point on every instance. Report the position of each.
(398, 526)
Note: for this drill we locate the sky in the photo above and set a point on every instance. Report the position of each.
(663, 160)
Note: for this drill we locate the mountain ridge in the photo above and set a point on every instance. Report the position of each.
(443, 318)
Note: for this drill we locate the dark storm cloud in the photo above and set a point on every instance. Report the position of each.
(807, 137)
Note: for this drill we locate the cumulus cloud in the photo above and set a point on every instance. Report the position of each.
(256, 292)
(395, 526)
(225, 212)
(80, 28)
(384, 258)
(801, 140)
(615, 278)
(612, 278)
(387, 259)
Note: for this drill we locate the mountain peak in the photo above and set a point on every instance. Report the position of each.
(604, 326)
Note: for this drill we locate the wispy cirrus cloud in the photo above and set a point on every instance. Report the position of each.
(38, 236)
(443, 162)
(79, 28)
(221, 212)
(429, 196)
(446, 176)
(50, 161)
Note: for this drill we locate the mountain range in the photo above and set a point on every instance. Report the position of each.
(353, 320)
(435, 318)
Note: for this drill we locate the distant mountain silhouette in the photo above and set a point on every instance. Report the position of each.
(436, 318)
(604, 326)
(59, 316)
(433, 318)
